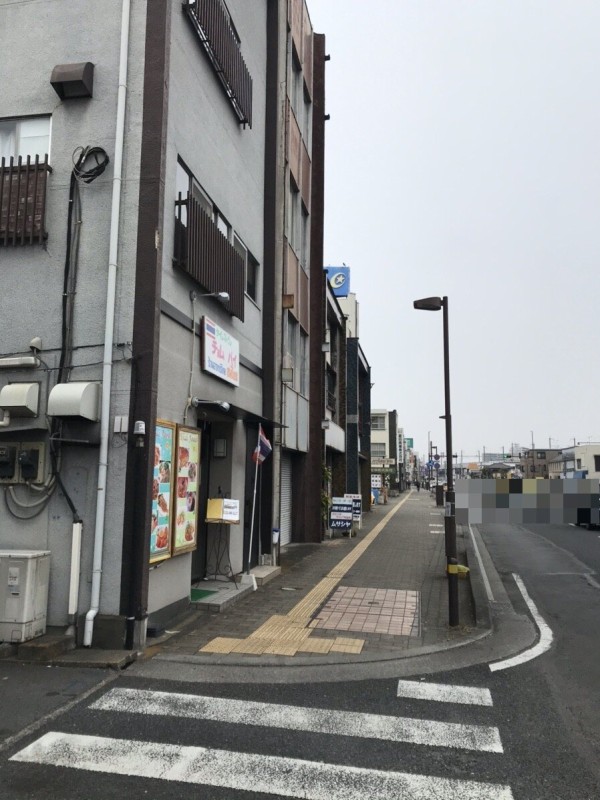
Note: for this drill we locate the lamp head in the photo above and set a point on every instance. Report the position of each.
(222, 296)
(222, 404)
(429, 304)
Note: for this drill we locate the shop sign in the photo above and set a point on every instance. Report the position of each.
(340, 513)
(376, 481)
(356, 506)
(220, 352)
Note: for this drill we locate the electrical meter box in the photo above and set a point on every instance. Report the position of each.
(24, 578)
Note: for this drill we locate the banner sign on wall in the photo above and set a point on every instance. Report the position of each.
(220, 352)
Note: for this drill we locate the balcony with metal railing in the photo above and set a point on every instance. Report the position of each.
(23, 200)
(214, 29)
(205, 254)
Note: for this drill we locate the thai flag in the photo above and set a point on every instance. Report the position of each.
(209, 327)
(263, 449)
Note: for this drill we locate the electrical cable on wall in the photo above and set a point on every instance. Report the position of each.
(82, 172)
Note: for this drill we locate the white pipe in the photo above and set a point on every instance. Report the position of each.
(5, 419)
(108, 330)
(74, 576)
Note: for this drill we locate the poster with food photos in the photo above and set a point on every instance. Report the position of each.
(187, 481)
(162, 491)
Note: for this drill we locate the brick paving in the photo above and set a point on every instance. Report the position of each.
(404, 561)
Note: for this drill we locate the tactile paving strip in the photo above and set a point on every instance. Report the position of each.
(289, 634)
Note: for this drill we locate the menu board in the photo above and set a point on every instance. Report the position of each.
(187, 482)
(162, 491)
(223, 510)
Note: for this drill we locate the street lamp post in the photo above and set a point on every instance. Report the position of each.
(435, 304)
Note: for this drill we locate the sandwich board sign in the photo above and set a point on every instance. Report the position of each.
(356, 507)
(340, 514)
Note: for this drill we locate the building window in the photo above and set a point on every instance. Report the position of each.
(296, 354)
(331, 391)
(223, 225)
(252, 277)
(541, 454)
(291, 344)
(303, 363)
(377, 449)
(307, 122)
(293, 221)
(25, 137)
(251, 265)
(296, 89)
(597, 463)
(305, 240)
(578, 463)
(378, 422)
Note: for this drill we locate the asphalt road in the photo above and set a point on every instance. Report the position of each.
(529, 732)
(560, 566)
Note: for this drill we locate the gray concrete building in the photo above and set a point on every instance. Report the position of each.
(155, 243)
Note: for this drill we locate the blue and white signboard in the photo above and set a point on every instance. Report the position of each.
(340, 514)
(356, 507)
(339, 280)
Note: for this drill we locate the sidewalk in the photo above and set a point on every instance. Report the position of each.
(380, 595)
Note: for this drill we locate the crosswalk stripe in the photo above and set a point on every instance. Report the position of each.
(315, 720)
(443, 693)
(285, 777)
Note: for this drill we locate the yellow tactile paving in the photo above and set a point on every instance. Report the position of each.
(220, 645)
(344, 645)
(250, 647)
(279, 649)
(288, 634)
(308, 605)
(314, 645)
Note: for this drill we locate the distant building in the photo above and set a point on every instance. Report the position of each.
(535, 462)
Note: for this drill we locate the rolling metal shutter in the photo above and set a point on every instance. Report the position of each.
(285, 521)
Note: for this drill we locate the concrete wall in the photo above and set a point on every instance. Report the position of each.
(30, 304)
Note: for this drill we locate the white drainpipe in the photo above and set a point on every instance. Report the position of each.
(74, 578)
(108, 330)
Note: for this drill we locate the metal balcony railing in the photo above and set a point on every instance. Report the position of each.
(204, 253)
(213, 27)
(23, 200)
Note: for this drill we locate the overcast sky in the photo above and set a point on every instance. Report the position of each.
(463, 159)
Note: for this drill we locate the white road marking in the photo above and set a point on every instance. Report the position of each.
(315, 720)
(284, 777)
(592, 582)
(436, 525)
(544, 642)
(486, 582)
(443, 693)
